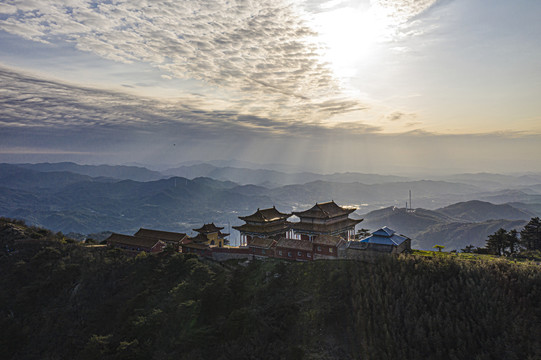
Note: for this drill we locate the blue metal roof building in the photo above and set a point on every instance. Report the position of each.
(386, 240)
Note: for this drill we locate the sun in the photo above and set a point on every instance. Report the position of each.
(350, 36)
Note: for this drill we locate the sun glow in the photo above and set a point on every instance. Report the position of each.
(350, 36)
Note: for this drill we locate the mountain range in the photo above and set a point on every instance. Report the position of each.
(454, 226)
(74, 198)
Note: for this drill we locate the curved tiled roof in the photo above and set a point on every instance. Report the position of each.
(295, 244)
(346, 224)
(325, 211)
(263, 229)
(137, 241)
(265, 215)
(159, 234)
(330, 240)
(208, 229)
(263, 243)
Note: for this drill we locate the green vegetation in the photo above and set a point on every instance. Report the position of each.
(531, 234)
(63, 300)
(503, 242)
(508, 243)
(439, 247)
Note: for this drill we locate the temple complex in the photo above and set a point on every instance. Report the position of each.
(324, 232)
(325, 219)
(265, 223)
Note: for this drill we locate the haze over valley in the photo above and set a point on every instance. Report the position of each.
(454, 211)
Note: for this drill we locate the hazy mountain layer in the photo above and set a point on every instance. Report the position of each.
(274, 178)
(427, 228)
(111, 171)
(69, 202)
(476, 210)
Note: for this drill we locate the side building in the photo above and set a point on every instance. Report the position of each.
(382, 242)
(135, 243)
(325, 219)
(265, 223)
(327, 246)
(293, 249)
(262, 247)
(208, 236)
(211, 235)
(172, 239)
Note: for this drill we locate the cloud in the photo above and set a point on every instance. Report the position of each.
(400, 116)
(28, 102)
(43, 120)
(259, 50)
(405, 10)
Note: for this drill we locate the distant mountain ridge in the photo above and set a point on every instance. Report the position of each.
(476, 210)
(16, 177)
(454, 226)
(73, 202)
(274, 178)
(111, 171)
(494, 181)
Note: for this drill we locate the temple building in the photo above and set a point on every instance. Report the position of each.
(387, 240)
(325, 219)
(135, 243)
(172, 239)
(265, 223)
(326, 246)
(293, 249)
(211, 235)
(262, 247)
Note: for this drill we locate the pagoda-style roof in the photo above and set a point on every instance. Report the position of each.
(328, 240)
(265, 215)
(295, 244)
(199, 238)
(336, 227)
(263, 229)
(209, 229)
(263, 243)
(326, 210)
(135, 241)
(161, 235)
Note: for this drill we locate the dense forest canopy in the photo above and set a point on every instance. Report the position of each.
(62, 300)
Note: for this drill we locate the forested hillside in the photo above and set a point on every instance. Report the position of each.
(62, 300)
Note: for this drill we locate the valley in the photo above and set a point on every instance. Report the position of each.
(88, 199)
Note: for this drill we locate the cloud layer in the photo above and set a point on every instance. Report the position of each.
(50, 121)
(259, 50)
(28, 102)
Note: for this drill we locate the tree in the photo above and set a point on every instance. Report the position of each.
(530, 236)
(439, 247)
(497, 242)
(362, 233)
(503, 242)
(468, 249)
(513, 242)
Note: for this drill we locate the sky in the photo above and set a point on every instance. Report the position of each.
(377, 86)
